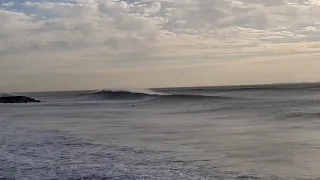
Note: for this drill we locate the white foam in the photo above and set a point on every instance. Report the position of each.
(26, 154)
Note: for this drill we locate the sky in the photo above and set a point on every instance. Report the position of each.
(92, 44)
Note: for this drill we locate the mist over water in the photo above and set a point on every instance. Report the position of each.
(251, 132)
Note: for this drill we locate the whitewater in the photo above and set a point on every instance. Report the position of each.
(239, 132)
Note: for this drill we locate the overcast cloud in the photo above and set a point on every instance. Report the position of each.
(99, 38)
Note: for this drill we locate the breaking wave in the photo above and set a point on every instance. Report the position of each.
(148, 94)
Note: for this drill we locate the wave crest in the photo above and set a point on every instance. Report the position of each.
(120, 94)
(148, 94)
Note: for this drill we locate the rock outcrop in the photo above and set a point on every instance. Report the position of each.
(17, 99)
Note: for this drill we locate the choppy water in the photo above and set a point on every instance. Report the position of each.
(257, 132)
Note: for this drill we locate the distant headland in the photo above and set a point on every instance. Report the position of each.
(17, 99)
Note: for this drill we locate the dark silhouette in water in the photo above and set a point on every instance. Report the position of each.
(17, 99)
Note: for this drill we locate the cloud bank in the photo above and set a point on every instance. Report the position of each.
(108, 36)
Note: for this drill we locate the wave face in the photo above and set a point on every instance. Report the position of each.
(148, 95)
(120, 95)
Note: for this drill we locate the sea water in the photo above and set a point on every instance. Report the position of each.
(246, 132)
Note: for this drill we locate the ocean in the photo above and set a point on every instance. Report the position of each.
(240, 132)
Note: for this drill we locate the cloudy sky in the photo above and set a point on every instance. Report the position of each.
(88, 44)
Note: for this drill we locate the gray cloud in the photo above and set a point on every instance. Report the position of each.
(109, 33)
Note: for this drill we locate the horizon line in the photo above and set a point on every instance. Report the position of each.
(248, 86)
